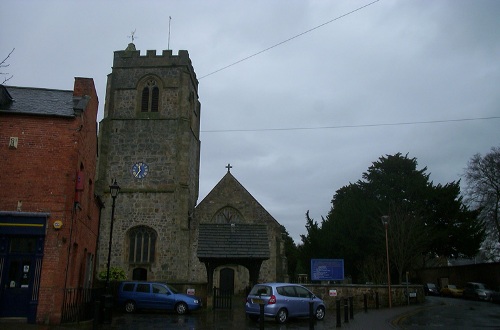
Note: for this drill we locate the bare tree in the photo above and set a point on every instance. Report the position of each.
(483, 188)
(3, 64)
(408, 238)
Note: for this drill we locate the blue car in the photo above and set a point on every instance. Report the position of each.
(134, 295)
(282, 301)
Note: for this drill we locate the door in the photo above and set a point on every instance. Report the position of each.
(16, 280)
(227, 281)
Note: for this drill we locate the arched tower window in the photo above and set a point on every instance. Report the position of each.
(150, 96)
(142, 245)
(228, 214)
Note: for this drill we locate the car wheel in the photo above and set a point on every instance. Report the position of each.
(181, 308)
(130, 307)
(282, 316)
(320, 313)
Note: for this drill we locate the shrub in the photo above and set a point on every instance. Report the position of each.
(115, 274)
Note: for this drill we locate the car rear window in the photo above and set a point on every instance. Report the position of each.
(128, 287)
(261, 290)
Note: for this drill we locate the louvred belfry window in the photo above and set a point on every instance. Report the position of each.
(145, 100)
(154, 99)
(150, 97)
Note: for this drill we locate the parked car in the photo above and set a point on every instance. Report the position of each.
(430, 289)
(451, 290)
(477, 291)
(282, 301)
(134, 295)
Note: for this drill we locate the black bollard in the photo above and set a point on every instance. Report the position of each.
(351, 307)
(311, 315)
(339, 324)
(97, 314)
(261, 317)
(377, 303)
(346, 311)
(365, 302)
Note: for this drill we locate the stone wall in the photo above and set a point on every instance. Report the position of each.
(229, 192)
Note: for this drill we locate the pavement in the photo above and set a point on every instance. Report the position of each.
(384, 318)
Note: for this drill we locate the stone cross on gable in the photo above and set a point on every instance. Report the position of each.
(229, 167)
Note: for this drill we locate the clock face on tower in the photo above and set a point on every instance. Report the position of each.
(140, 170)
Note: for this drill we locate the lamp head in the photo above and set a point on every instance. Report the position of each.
(385, 220)
(114, 189)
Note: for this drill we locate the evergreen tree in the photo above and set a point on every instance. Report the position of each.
(425, 221)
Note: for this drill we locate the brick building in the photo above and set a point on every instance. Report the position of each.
(49, 215)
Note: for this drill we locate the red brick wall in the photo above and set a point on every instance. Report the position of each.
(41, 173)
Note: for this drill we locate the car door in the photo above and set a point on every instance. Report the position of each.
(302, 301)
(287, 299)
(164, 299)
(143, 296)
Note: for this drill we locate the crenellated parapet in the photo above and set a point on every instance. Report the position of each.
(132, 58)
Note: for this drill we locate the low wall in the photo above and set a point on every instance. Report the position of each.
(358, 291)
(343, 291)
(488, 273)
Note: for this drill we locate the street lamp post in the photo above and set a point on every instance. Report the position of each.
(385, 222)
(114, 189)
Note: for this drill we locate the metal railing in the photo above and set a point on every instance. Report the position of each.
(222, 299)
(78, 304)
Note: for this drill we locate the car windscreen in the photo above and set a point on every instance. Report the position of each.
(171, 288)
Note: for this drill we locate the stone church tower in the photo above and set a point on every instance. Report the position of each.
(149, 142)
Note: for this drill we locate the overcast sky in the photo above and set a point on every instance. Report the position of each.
(300, 120)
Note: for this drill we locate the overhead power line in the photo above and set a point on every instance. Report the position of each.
(349, 126)
(289, 39)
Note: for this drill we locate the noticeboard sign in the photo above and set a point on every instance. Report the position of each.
(327, 269)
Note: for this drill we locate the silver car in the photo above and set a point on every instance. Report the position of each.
(477, 291)
(282, 301)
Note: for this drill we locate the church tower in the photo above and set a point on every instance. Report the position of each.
(149, 142)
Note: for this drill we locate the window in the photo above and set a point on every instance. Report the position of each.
(142, 245)
(261, 290)
(22, 245)
(287, 291)
(128, 287)
(157, 288)
(150, 96)
(143, 288)
(228, 215)
(301, 292)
